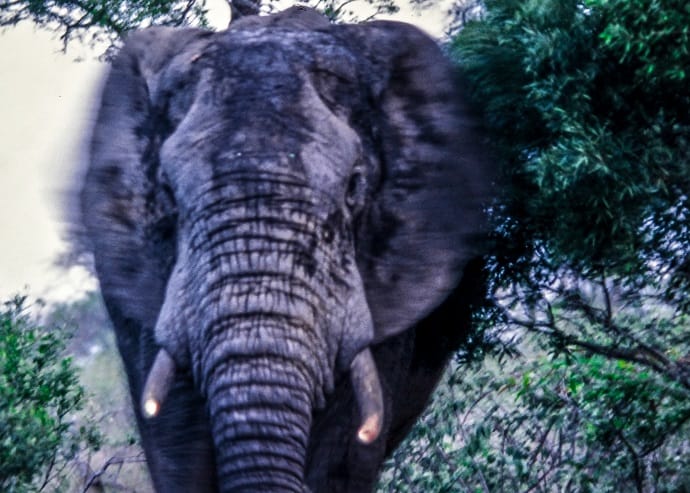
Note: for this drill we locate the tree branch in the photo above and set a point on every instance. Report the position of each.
(119, 461)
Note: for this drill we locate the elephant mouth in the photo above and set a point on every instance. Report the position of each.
(260, 412)
(363, 373)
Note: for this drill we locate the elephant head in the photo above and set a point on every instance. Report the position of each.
(265, 204)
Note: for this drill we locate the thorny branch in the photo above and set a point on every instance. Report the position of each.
(585, 315)
(113, 461)
(74, 19)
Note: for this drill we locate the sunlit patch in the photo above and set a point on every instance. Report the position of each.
(151, 408)
(370, 430)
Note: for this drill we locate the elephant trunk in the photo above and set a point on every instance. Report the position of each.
(260, 410)
(260, 369)
(260, 357)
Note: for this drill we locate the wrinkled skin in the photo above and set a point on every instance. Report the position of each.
(264, 204)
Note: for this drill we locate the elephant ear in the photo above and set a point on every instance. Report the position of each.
(127, 218)
(425, 219)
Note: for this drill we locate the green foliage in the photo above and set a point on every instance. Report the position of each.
(39, 396)
(106, 22)
(587, 102)
(353, 10)
(570, 423)
(101, 21)
(119, 464)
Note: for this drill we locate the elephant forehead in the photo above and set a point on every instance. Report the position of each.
(333, 150)
(280, 60)
(266, 99)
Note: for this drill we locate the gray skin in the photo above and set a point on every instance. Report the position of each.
(264, 204)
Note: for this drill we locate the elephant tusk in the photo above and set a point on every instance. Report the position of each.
(158, 384)
(367, 387)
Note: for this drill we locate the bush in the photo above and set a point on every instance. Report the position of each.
(587, 103)
(569, 423)
(39, 396)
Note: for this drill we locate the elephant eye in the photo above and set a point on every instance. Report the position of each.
(354, 194)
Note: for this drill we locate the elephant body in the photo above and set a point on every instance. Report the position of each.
(283, 217)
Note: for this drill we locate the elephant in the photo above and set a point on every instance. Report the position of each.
(284, 218)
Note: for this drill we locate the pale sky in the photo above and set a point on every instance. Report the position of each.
(46, 102)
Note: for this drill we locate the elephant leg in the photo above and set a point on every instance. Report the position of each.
(413, 390)
(337, 461)
(177, 443)
(333, 461)
(433, 341)
(410, 366)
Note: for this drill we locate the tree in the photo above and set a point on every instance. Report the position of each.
(105, 22)
(39, 397)
(101, 21)
(587, 103)
(352, 10)
(587, 107)
(577, 423)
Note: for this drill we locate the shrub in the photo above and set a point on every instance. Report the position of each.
(39, 396)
